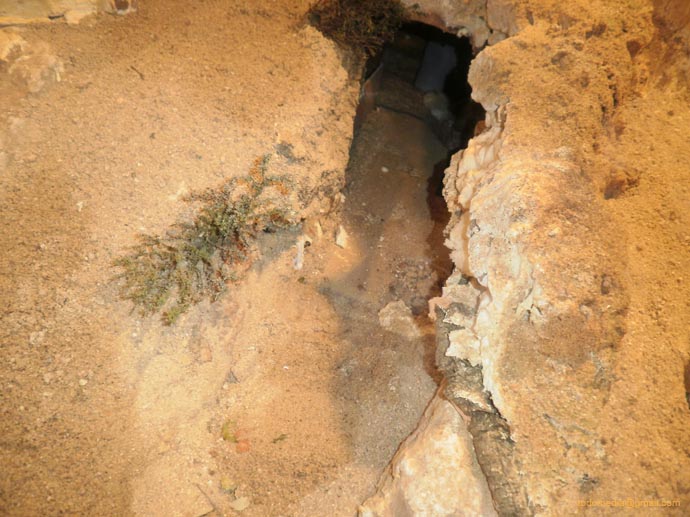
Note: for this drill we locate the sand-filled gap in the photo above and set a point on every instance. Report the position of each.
(415, 93)
(414, 113)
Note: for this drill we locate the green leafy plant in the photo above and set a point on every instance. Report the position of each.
(359, 24)
(196, 260)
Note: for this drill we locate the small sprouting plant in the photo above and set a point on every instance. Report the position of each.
(359, 24)
(196, 260)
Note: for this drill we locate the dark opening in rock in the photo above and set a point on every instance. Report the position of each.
(423, 63)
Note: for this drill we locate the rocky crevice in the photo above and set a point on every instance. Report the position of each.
(460, 349)
(490, 432)
(546, 345)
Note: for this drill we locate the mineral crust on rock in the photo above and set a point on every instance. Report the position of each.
(563, 332)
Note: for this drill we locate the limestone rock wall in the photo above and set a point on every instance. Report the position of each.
(562, 346)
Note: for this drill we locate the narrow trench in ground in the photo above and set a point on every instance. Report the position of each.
(415, 112)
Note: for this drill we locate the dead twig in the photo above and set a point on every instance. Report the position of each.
(141, 76)
(210, 501)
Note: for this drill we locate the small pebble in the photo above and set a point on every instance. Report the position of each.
(319, 230)
(83, 382)
(341, 237)
(227, 484)
(239, 504)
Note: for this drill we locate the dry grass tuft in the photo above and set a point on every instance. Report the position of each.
(196, 260)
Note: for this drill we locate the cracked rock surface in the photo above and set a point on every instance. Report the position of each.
(563, 332)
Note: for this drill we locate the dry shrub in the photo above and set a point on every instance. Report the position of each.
(195, 260)
(361, 25)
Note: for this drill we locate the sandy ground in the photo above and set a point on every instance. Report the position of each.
(325, 394)
(106, 413)
(287, 397)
